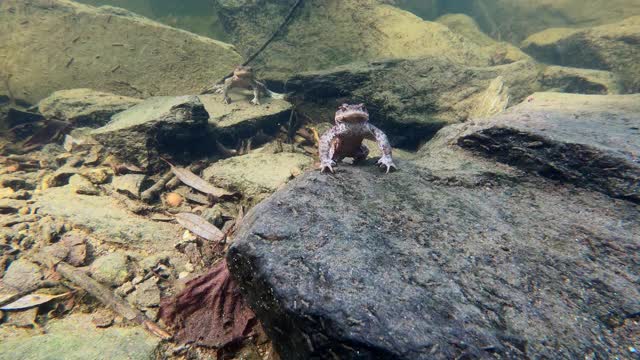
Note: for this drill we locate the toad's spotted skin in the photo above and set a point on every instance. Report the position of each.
(345, 139)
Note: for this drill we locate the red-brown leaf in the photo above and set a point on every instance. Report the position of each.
(210, 311)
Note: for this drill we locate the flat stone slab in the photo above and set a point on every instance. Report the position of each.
(589, 140)
(107, 220)
(457, 255)
(84, 107)
(77, 338)
(256, 175)
(240, 110)
(240, 119)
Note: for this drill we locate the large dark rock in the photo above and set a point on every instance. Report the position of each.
(158, 126)
(452, 256)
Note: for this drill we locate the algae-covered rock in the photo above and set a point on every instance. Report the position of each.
(75, 337)
(106, 219)
(580, 81)
(497, 52)
(51, 45)
(111, 269)
(256, 175)
(412, 99)
(84, 107)
(146, 294)
(158, 126)
(81, 185)
(129, 184)
(612, 47)
(325, 34)
(195, 16)
(513, 21)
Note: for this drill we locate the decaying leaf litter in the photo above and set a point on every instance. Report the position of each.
(210, 304)
(217, 304)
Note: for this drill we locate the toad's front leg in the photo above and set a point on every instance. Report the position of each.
(228, 83)
(256, 95)
(386, 160)
(326, 147)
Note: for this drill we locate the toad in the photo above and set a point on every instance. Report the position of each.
(345, 139)
(244, 78)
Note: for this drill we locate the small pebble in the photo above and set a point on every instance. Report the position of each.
(296, 171)
(173, 199)
(103, 318)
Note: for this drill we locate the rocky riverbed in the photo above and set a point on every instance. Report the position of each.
(140, 219)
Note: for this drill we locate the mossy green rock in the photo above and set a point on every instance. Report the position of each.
(324, 34)
(50, 45)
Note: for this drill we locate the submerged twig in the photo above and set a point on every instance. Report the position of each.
(103, 294)
(151, 192)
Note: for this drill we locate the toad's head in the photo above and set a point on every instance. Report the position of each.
(356, 113)
(243, 72)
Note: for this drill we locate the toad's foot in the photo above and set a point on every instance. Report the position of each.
(327, 166)
(387, 162)
(255, 101)
(226, 100)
